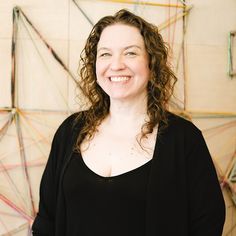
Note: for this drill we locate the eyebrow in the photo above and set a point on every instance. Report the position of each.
(133, 46)
(128, 47)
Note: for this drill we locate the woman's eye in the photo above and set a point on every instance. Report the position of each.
(131, 53)
(105, 54)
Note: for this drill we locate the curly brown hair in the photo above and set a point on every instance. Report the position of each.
(160, 85)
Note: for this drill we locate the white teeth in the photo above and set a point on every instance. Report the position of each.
(119, 78)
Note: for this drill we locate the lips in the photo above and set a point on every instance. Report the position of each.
(119, 78)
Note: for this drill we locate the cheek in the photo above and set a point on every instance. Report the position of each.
(97, 68)
(100, 68)
(146, 68)
(100, 73)
(143, 70)
(142, 66)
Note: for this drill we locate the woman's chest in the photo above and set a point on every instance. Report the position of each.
(110, 155)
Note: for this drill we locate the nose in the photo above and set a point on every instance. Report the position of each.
(117, 63)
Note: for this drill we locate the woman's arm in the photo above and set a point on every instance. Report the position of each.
(44, 223)
(206, 203)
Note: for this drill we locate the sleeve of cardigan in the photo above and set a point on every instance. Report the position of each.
(206, 203)
(44, 222)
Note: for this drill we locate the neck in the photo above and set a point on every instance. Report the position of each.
(123, 112)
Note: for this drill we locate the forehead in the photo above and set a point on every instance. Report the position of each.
(120, 35)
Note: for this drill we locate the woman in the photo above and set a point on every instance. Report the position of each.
(127, 166)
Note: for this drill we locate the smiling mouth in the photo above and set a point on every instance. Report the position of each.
(119, 78)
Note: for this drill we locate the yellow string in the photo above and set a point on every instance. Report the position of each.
(144, 3)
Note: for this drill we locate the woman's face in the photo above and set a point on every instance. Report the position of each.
(122, 65)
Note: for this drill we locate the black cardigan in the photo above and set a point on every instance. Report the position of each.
(183, 198)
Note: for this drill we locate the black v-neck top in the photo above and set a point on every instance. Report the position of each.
(182, 181)
(97, 205)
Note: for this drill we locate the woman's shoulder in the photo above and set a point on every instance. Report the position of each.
(182, 128)
(73, 121)
(69, 126)
(181, 122)
(182, 132)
